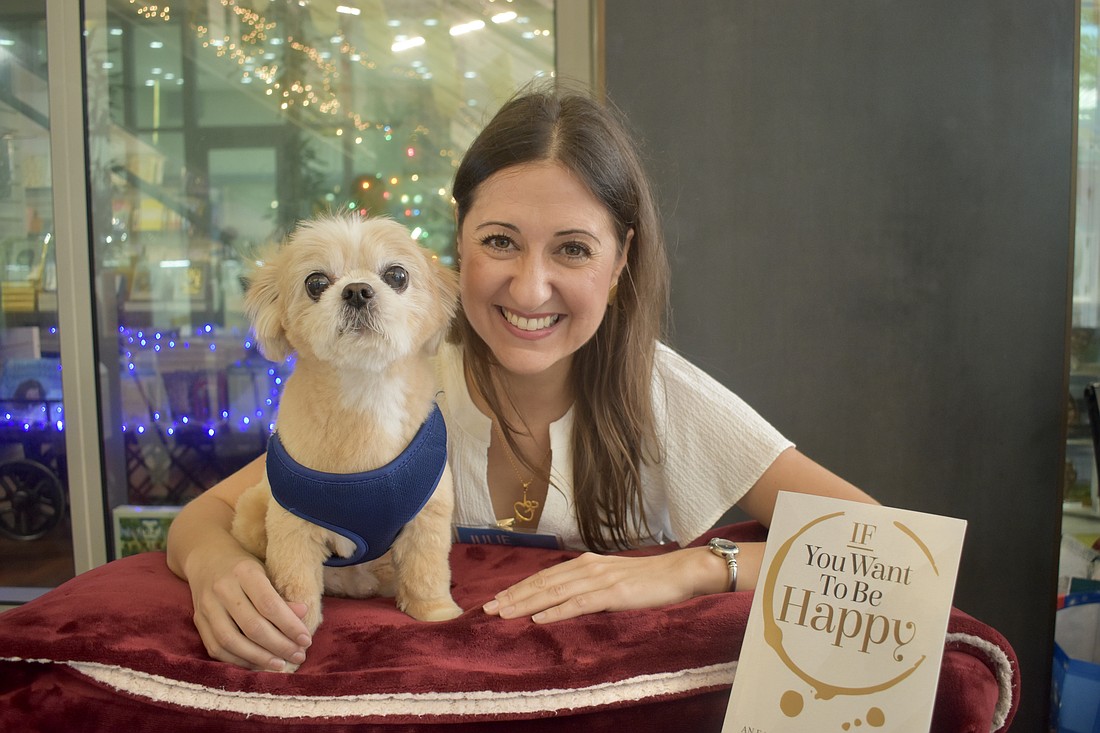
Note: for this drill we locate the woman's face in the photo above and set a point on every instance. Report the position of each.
(539, 255)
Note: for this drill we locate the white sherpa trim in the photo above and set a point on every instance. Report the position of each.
(1003, 674)
(473, 704)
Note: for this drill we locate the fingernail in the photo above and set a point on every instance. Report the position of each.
(508, 612)
(491, 606)
(539, 617)
(297, 657)
(276, 665)
(304, 641)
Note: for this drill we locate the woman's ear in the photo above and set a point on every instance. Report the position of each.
(623, 252)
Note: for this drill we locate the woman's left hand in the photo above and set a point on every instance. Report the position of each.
(593, 583)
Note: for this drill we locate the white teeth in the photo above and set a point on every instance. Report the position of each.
(529, 324)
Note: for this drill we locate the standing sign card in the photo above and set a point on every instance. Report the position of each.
(848, 622)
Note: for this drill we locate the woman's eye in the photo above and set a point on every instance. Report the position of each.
(396, 277)
(575, 251)
(497, 242)
(316, 284)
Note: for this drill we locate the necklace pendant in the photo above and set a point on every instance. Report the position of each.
(525, 510)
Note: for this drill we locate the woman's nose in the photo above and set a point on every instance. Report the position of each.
(531, 282)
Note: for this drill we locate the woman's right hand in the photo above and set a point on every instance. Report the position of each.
(242, 619)
(240, 616)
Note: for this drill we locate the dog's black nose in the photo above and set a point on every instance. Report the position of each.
(357, 294)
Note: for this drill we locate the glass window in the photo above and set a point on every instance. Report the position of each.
(214, 126)
(35, 534)
(1080, 493)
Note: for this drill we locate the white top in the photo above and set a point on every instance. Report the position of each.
(714, 446)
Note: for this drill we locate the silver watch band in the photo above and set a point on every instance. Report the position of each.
(731, 561)
(728, 551)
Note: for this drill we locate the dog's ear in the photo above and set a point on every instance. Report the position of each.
(264, 309)
(444, 287)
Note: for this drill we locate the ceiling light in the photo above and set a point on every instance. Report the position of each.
(406, 44)
(473, 25)
(504, 17)
(347, 10)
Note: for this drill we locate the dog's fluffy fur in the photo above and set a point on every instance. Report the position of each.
(362, 386)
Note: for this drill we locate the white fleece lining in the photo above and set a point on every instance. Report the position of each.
(481, 703)
(1003, 673)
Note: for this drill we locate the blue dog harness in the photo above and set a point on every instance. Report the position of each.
(368, 508)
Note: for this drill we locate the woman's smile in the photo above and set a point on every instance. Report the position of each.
(535, 325)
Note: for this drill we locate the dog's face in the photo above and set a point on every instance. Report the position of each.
(353, 293)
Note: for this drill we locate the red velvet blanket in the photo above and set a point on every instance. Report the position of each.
(115, 649)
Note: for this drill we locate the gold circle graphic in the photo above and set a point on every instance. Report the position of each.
(791, 703)
(773, 634)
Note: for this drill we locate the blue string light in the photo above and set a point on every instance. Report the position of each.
(187, 405)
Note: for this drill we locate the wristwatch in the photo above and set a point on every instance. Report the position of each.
(727, 551)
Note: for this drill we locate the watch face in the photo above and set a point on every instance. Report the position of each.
(722, 544)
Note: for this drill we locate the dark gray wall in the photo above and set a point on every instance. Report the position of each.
(869, 203)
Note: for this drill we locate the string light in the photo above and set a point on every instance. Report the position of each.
(151, 11)
(141, 352)
(244, 50)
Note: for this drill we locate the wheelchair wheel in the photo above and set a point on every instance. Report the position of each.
(32, 500)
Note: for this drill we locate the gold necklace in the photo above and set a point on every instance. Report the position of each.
(525, 508)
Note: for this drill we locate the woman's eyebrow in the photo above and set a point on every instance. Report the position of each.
(571, 232)
(514, 228)
(503, 224)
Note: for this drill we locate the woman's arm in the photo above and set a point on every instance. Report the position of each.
(238, 613)
(791, 471)
(593, 583)
(796, 473)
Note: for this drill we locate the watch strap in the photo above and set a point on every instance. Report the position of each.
(727, 551)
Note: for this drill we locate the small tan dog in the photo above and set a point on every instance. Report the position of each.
(364, 307)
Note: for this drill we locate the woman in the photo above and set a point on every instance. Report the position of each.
(567, 415)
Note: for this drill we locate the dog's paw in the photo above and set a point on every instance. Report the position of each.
(434, 610)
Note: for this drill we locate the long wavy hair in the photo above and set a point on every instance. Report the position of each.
(613, 427)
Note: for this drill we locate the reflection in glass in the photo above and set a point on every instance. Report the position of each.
(1080, 492)
(35, 533)
(214, 126)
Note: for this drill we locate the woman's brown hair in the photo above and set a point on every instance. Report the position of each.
(612, 374)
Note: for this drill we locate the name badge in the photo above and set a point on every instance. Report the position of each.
(496, 536)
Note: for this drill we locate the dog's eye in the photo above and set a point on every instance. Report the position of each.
(316, 284)
(396, 277)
